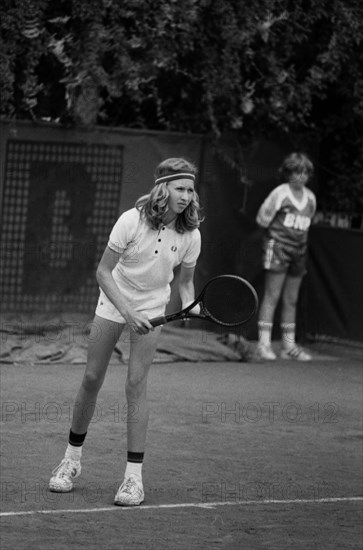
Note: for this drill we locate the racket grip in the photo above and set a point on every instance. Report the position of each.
(156, 321)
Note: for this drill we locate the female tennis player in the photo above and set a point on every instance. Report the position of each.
(134, 275)
(286, 215)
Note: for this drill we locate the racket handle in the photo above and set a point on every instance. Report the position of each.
(158, 321)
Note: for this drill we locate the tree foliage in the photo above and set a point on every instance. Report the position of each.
(202, 66)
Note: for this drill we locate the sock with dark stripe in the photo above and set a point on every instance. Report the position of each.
(288, 335)
(134, 464)
(75, 442)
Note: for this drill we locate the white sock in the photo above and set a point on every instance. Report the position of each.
(134, 468)
(264, 333)
(288, 335)
(74, 453)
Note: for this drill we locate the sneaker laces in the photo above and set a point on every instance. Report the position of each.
(64, 469)
(130, 486)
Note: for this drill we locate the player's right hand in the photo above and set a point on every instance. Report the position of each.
(138, 322)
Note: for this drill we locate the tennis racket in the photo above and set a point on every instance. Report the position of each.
(227, 300)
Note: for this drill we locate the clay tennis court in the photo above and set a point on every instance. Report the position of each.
(239, 455)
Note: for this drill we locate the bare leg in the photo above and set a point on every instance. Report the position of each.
(103, 337)
(102, 340)
(290, 296)
(273, 286)
(143, 347)
(142, 352)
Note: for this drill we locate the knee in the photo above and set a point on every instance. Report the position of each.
(289, 300)
(135, 386)
(92, 382)
(271, 299)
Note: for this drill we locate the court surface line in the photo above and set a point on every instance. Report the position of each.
(205, 505)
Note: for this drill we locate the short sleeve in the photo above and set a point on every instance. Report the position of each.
(270, 206)
(193, 250)
(124, 230)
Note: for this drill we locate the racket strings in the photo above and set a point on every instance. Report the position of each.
(229, 301)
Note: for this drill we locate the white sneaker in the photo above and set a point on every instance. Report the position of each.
(265, 352)
(296, 353)
(63, 476)
(131, 492)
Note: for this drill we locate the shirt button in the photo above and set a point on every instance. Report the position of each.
(159, 240)
(163, 228)
(156, 251)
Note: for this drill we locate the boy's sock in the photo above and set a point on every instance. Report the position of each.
(264, 333)
(288, 335)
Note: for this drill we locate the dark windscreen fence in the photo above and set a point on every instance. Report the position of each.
(59, 203)
(334, 285)
(229, 300)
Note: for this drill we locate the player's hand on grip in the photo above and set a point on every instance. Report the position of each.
(138, 322)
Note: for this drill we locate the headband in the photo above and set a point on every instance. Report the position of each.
(171, 177)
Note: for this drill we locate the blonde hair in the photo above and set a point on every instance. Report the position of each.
(154, 205)
(296, 163)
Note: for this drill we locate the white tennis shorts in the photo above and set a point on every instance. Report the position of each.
(149, 307)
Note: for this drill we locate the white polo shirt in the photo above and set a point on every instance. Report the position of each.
(148, 257)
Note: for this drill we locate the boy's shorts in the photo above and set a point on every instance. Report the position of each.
(281, 258)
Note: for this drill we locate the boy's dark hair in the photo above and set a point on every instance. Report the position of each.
(295, 162)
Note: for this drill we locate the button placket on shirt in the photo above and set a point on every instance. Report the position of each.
(159, 240)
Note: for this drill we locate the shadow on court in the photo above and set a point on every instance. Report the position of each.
(239, 455)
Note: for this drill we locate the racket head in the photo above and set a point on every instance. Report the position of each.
(228, 300)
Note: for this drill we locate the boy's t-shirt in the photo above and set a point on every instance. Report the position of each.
(286, 218)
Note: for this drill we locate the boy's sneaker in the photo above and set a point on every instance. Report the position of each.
(265, 352)
(130, 493)
(295, 353)
(63, 476)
